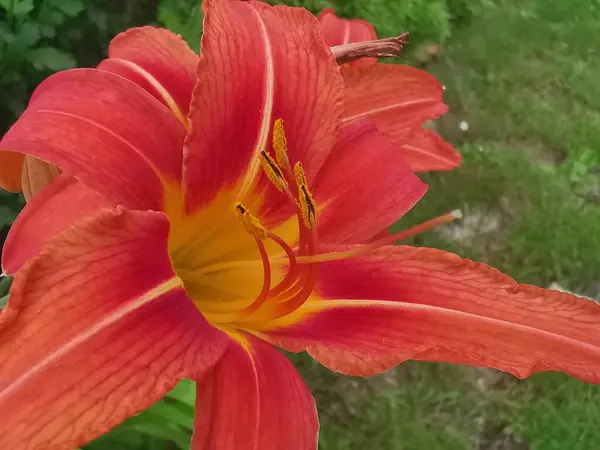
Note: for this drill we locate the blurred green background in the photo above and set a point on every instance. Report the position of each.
(521, 79)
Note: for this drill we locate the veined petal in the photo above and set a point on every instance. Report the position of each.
(291, 75)
(404, 303)
(159, 61)
(104, 130)
(426, 151)
(254, 399)
(50, 212)
(100, 316)
(37, 174)
(364, 187)
(400, 98)
(11, 170)
(338, 31)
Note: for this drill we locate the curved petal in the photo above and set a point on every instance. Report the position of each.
(11, 170)
(418, 303)
(101, 317)
(254, 399)
(364, 187)
(427, 151)
(50, 212)
(104, 130)
(291, 75)
(400, 98)
(159, 61)
(37, 174)
(338, 31)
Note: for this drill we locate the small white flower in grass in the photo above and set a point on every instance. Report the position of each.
(463, 125)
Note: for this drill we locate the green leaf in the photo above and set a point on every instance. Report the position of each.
(50, 58)
(70, 8)
(184, 392)
(28, 35)
(5, 283)
(19, 7)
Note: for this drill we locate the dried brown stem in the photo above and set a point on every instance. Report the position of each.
(380, 48)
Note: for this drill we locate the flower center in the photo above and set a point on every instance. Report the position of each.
(282, 275)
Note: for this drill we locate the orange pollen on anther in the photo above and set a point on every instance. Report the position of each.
(280, 144)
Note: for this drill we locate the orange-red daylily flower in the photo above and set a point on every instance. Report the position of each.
(190, 241)
(398, 98)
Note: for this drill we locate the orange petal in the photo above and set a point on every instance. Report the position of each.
(400, 98)
(418, 303)
(291, 74)
(254, 399)
(159, 61)
(101, 318)
(50, 212)
(105, 131)
(11, 170)
(364, 187)
(37, 174)
(427, 151)
(338, 31)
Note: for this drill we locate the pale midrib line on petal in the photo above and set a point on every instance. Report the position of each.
(317, 306)
(387, 108)
(114, 317)
(136, 150)
(346, 38)
(159, 87)
(429, 154)
(267, 110)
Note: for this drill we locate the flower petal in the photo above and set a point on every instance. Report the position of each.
(291, 75)
(427, 151)
(50, 212)
(11, 170)
(100, 316)
(159, 61)
(364, 187)
(37, 174)
(254, 399)
(400, 98)
(104, 130)
(338, 31)
(431, 305)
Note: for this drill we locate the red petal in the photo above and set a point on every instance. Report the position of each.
(254, 399)
(11, 169)
(97, 328)
(104, 130)
(427, 151)
(290, 74)
(159, 61)
(432, 305)
(47, 215)
(364, 187)
(338, 31)
(400, 98)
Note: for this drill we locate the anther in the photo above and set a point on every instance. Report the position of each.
(273, 171)
(307, 206)
(251, 223)
(280, 144)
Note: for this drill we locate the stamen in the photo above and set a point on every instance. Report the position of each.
(299, 174)
(307, 206)
(368, 248)
(251, 223)
(264, 293)
(273, 171)
(280, 144)
(292, 268)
